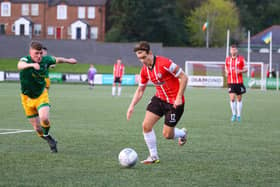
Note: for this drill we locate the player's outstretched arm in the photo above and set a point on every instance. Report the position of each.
(23, 65)
(65, 60)
(136, 98)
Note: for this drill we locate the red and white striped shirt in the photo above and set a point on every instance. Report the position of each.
(232, 65)
(164, 75)
(118, 70)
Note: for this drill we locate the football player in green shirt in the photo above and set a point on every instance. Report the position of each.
(34, 95)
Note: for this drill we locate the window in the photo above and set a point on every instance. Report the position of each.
(2, 29)
(13, 28)
(91, 12)
(24, 9)
(69, 31)
(50, 30)
(61, 12)
(37, 29)
(35, 10)
(81, 12)
(6, 9)
(93, 32)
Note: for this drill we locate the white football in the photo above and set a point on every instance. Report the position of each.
(128, 157)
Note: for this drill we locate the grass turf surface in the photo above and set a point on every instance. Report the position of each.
(91, 128)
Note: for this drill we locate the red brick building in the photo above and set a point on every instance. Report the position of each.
(54, 19)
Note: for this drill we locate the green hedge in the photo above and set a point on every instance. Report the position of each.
(11, 65)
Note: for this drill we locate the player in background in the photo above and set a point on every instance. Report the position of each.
(47, 79)
(170, 82)
(34, 95)
(253, 73)
(91, 74)
(234, 67)
(118, 73)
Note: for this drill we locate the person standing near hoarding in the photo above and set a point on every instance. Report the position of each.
(234, 68)
(118, 73)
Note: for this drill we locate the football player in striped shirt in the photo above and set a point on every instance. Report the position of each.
(234, 67)
(170, 82)
(118, 73)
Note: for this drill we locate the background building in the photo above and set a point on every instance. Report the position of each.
(54, 19)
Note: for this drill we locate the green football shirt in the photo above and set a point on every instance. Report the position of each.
(33, 81)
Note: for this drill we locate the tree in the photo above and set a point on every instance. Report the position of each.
(220, 15)
(184, 10)
(184, 7)
(151, 20)
(257, 15)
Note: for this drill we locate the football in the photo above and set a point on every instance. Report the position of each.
(128, 157)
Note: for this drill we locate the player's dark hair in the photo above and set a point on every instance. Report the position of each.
(233, 46)
(142, 46)
(45, 48)
(36, 45)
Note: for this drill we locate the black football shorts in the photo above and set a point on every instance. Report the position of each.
(160, 108)
(238, 89)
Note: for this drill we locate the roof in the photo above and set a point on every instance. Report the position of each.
(78, 2)
(28, 1)
(26, 18)
(68, 2)
(257, 39)
(81, 20)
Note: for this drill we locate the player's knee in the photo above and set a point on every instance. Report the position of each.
(146, 128)
(45, 122)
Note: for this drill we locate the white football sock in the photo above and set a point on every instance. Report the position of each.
(239, 108)
(233, 107)
(113, 90)
(178, 133)
(119, 90)
(150, 139)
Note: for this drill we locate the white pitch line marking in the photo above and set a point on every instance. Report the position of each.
(10, 129)
(16, 132)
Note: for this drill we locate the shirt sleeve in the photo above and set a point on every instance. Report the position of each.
(23, 59)
(172, 68)
(226, 65)
(143, 77)
(114, 70)
(50, 60)
(242, 62)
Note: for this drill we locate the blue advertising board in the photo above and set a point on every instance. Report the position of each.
(126, 80)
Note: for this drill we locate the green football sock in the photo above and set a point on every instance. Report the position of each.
(46, 130)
